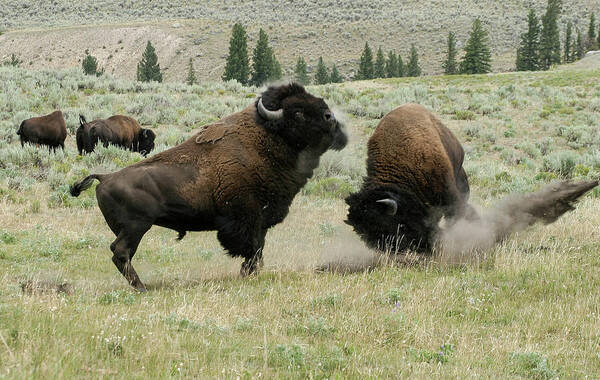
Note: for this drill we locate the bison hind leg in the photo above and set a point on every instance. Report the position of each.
(124, 248)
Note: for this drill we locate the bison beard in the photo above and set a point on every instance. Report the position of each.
(415, 177)
(237, 176)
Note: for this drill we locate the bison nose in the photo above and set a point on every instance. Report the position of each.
(329, 116)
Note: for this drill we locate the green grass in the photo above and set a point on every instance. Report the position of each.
(529, 310)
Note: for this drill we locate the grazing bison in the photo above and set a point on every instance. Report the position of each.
(415, 176)
(237, 176)
(119, 130)
(47, 130)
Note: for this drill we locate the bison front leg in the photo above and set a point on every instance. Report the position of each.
(244, 239)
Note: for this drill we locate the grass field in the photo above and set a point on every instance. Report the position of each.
(529, 309)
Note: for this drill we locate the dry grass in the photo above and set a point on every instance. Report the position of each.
(528, 309)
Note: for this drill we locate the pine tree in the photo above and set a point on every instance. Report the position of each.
(449, 65)
(591, 37)
(568, 43)
(401, 67)
(90, 65)
(276, 73)
(300, 73)
(335, 75)
(477, 53)
(550, 38)
(322, 76)
(379, 69)
(148, 68)
(580, 47)
(365, 69)
(191, 77)
(391, 65)
(262, 60)
(528, 51)
(237, 66)
(413, 69)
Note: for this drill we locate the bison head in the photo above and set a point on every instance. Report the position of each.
(301, 119)
(146, 141)
(390, 218)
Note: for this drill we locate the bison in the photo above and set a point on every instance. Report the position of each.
(237, 176)
(119, 130)
(47, 130)
(415, 177)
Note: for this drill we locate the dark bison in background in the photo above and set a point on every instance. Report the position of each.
(237, 176)
(119, 130)
(49, 130)
(415, 177)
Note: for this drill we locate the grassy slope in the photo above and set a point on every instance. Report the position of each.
(201, 30)
(529, 310)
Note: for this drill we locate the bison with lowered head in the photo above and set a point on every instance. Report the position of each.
(47, 130)
(123, 131)
(237, 176)
(415, 177)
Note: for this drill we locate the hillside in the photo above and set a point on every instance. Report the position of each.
(55, 34)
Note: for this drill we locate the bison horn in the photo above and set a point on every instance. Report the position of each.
(269, 115)
(392, 206)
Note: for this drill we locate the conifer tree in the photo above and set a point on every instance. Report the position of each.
(335, 75)
(191, 77)
(580, 47)
(379, 69)
(262, 60)
(148, 68)
(401, 67)
(413, 69)
(598, 37)
(528, 51)
(365, 69)
(568, 43)
(237, 66)
(477, 53)
(391, 65)
(90, 65)
(591, 37)
(550, 51)
(322, 76)
(276, 72)
(14, 61)
(301, 73)
(449, 65)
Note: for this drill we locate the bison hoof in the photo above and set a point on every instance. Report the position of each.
(251, 266)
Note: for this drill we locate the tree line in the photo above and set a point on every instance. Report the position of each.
(539, 49)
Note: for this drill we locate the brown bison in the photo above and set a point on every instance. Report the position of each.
(47, 130)
(237, 176)
(415, 177)
(119, 130)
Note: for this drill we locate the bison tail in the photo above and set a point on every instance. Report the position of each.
(78, 187)
(181, 235)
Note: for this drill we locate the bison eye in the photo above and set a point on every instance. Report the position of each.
(328, 115)
(299, 116)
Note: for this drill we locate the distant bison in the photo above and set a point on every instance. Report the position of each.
(47, 130)
(119, 130)
(237, 176)
(414, 177)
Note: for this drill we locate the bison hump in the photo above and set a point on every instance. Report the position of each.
(210, 134)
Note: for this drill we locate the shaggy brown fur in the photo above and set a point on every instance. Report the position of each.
(47, 130)
(123, 131)
(237, 176)
(416, 162)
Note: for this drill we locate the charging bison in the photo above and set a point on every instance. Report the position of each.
(415, 177)
(237, 176)
(119, 130)
(47, 130)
